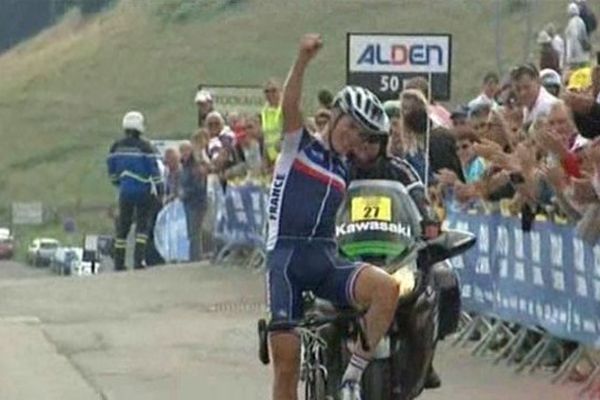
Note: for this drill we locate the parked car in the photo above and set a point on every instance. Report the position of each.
(41, 251)
(7, 244)
(68, 261)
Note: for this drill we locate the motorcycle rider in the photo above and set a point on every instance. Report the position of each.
(309, 182)
(133, 168)
(371, 160)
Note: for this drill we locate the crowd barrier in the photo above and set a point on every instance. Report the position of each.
(546, 277)
(235, 221)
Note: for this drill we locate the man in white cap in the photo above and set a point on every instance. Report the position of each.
(577, 40)
(551, 81)
(204, 102)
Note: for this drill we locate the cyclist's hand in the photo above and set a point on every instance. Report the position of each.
(310, 44)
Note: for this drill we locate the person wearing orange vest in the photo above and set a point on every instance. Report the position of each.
(271, 120)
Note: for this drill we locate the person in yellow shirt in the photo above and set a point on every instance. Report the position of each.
(271, 120)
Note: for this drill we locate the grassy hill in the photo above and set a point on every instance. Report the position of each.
(63, 93)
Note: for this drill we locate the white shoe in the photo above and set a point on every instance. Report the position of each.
(350, 390)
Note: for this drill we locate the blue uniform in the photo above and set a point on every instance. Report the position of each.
(308, 186)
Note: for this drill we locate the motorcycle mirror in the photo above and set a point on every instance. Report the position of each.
(448, 244)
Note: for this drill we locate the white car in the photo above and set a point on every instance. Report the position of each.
(68, 261)
(41, 251)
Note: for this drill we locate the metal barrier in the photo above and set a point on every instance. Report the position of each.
(527, 294)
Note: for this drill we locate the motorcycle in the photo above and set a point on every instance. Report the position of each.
(378, 223)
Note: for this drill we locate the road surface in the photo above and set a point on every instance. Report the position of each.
(176, 332)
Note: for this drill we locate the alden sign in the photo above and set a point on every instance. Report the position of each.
(383, 62)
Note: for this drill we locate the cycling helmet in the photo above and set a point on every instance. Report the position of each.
(365, 108)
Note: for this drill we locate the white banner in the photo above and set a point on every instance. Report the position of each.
(398, 53)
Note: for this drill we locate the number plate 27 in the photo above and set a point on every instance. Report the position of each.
(372, 208)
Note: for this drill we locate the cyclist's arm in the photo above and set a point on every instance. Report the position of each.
(292, 90)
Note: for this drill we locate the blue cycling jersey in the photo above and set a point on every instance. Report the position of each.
(308, 186)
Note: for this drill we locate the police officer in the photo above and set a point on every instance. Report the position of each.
(133, 168)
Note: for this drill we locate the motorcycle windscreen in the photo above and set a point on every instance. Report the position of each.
(377, 222)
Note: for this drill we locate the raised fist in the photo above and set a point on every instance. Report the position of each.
(310, 44)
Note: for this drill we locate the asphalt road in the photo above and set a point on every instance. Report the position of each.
(177, 332)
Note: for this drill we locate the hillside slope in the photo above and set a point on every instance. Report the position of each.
(63, 93)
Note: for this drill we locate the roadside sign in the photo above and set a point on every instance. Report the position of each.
(27, 213)
(383, 62)
(239, 98)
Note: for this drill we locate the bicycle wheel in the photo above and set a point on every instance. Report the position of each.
(316, 384)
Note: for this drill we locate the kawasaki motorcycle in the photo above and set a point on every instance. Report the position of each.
(378, 223)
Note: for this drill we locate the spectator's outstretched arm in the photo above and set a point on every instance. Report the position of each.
(292, 91)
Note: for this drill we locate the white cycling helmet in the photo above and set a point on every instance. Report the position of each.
(365, 108)
(134, 120)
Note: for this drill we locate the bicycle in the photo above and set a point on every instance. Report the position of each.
(313, 369)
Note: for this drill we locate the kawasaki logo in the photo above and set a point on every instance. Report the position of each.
(345, 229)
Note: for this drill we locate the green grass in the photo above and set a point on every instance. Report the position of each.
(63, 93)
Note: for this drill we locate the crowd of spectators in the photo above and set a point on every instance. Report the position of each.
(524, 145)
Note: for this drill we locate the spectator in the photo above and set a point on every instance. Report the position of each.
(531, 95)
(489, 90)
(395, 145)
(249, 152)
(438, 115)
(558, 44)
(578, 44)
(442, 146)
(272, 121)
(193, 197)
(587, 15)
(222, 140)
(172, 164)
(473, 166)
(322, 119)
(549, 58)
(325, 98)
(204, 103)
(460, 118)
(561, 139)
(478, 117)
(551, 81)
(586, 106)
(133, 168)
(199, 142)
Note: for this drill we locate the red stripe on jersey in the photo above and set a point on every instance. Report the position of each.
(318, 175)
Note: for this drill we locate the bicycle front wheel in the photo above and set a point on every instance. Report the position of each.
(315, 385)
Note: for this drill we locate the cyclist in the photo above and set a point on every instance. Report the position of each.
(309, 181)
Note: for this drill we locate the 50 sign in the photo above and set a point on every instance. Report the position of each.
(390, 83)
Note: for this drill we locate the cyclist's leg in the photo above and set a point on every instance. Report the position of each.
(285, 306)
(285, 352)
(364, 286)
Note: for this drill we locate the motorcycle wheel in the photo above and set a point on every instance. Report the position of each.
(377, 381)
